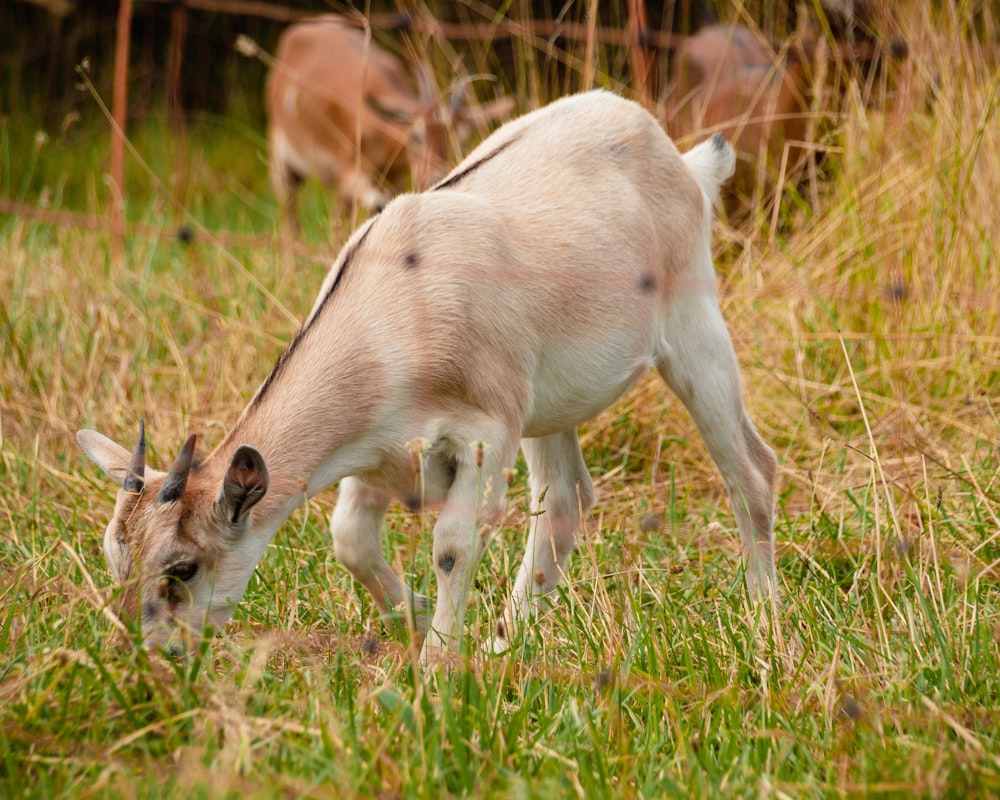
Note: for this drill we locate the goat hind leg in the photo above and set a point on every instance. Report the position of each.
(561, 489)
(700, 366)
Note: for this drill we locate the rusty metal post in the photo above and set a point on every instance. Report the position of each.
(175, 65)
(640, 56)
(119, 105)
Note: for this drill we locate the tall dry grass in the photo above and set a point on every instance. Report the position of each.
(865, 319)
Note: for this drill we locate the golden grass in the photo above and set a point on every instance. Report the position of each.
(867, 328)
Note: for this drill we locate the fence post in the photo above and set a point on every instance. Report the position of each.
(119, 106)
(639, 50)
(175, 64)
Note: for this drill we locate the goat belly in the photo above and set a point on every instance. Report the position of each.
(571, 390)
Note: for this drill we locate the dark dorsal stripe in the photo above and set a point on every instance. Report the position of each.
(289, 351)
(454, 178)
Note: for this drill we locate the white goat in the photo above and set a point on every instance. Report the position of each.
(523, 294)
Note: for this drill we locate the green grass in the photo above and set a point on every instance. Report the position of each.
(867, 330)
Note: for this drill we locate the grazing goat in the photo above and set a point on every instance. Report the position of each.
(344, 110)
(731, 80)
(727, 79)
(520, 296)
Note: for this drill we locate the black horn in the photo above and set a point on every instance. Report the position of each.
(176, 480)
(137, 467)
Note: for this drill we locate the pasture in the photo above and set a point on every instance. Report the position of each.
(865, 313)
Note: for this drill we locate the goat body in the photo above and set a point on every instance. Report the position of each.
(344, 110)
(728, 80)
(520, 296)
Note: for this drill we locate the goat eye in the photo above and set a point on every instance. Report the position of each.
(183, 572)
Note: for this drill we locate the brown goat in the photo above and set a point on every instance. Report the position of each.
(731, 80)
(346, 111)
(343, 109)
(727, 79)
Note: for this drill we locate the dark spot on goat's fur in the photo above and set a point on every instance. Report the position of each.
(411, 260)
(412, 502)
(647, 283)
(447, 563)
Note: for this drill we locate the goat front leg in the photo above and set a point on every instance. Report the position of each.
(474, 505)
(356, 525)
(561, 489)
(285, 184)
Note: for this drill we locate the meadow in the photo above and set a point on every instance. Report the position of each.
(866, 318)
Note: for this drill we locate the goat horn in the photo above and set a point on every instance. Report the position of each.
(176, 480)
(137, 468)
(459, 86)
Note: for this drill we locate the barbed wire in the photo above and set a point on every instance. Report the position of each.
(505, 28)
(181, 232)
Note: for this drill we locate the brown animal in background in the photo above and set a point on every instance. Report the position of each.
(344, 110)
(729, 80)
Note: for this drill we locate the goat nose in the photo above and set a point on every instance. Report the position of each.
(174, 650)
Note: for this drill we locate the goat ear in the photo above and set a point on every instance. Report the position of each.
(243, 487)
(112, 458)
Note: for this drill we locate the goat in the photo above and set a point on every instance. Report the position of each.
(730, 79)
(343, 109)
(517, 298)
(727, 79)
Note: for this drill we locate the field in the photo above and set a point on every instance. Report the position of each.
(866, 317)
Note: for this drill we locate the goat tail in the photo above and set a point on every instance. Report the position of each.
(711, 162)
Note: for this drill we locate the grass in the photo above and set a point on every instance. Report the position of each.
(867, 330)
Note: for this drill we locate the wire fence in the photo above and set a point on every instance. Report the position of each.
(640, 41)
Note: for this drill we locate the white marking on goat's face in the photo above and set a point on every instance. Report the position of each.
(176, 543)
(172, 560)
